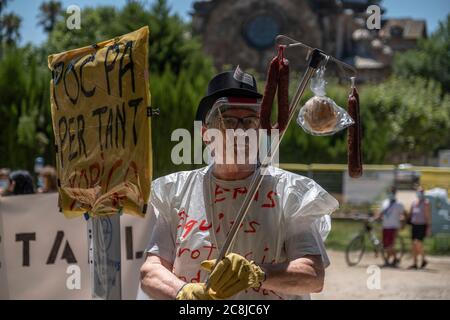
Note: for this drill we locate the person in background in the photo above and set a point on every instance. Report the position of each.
(47, 178)
(4, 180)
(420, 219)
(20, 182)
(392, 213)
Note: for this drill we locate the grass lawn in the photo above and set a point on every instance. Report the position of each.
(342, 231)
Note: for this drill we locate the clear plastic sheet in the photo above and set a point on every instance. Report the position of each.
(300, 210)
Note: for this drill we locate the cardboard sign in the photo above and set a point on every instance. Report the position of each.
(43, 255)
(99, 102)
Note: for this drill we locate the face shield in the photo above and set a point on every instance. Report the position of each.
(234, 122)
(234, 113)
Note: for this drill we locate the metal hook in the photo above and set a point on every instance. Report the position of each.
(291, 42)
(325, 61)
(308, 55)
(295, 43)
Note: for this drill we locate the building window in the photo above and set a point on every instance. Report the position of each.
(396, 32)
(260, 31)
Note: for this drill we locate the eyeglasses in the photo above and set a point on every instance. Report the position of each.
(251, 122)
(215, 117)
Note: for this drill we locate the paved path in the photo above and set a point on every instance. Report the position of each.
(343, 282)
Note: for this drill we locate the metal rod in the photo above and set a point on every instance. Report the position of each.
(314, 63)
(295, 43)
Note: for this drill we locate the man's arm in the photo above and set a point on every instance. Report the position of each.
(428, 213)
(428, 218)
(300, 276)
(157, 279)
(377, 216)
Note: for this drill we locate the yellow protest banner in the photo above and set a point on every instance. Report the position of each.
(99, 102)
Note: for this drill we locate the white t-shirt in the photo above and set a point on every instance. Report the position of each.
(288, 218)
(391, 214)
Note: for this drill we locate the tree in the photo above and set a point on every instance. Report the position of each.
(417, 112)
(50, 11)
(3, 4)
(179, 73)
(431, 59)
(11, 25)
(399, 119)
(170, 42)
(24, 109)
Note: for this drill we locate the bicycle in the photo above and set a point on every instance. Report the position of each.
(357, 246)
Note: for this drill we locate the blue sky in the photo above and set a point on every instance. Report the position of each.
(430, 10)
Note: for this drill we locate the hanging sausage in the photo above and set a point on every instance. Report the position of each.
(354, 155)
(277, 78)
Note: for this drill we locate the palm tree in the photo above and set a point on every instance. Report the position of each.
(49, 13)
(3, 4)
(11, 25)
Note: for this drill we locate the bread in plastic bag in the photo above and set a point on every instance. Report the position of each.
(320, 115)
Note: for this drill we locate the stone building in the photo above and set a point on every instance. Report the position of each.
(243, 32)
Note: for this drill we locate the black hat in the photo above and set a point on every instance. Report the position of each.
(227, 84)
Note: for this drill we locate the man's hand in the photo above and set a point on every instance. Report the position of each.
(157, 279)
(232, 275)
(195, 291)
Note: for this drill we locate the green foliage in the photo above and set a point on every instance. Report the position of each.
(24, 109)
(170, 42)
(343, 231)
(49, 12)
(399, 118)
(179, 73)
(417, 114)
(9, 29)
(431, 59)
(177, 96)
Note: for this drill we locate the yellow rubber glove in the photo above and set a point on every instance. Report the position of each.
(232, 275)
(195, 291)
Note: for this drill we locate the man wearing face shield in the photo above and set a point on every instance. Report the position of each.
(278, 252)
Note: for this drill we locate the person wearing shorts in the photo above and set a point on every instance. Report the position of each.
(420, 218)
(392, 212)
(389, 236)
